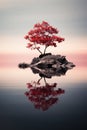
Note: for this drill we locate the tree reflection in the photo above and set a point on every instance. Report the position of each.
(43, 96)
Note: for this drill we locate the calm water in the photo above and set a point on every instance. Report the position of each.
(28, 102)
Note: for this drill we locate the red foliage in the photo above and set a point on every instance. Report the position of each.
(43, 34)
(43, 96)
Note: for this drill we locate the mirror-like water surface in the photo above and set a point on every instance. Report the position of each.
(28, 101)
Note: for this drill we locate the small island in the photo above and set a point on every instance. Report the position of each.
(46, 64)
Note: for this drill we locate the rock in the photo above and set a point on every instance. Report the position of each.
(23, 65)
(42, 55)
(35, 60)
(51, 61)
(49, 65)
(70, 65)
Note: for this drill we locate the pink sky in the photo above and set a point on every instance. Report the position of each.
(10, 60)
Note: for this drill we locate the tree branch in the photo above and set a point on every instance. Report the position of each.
(45, 49)
(39, 50)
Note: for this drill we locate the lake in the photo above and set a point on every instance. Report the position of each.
(28, 101)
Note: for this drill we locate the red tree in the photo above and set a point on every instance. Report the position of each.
(43, 96)
(42, 34)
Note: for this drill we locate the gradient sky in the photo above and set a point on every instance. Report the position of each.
(18, 17)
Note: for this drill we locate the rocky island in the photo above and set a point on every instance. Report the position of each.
(49, 65)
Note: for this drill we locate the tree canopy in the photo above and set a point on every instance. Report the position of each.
(43, 34)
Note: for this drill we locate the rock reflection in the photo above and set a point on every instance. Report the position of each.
(48, 66)
(43, 96)
(49, 72)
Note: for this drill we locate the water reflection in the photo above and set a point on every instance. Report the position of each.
(43, 96)
(49, 72)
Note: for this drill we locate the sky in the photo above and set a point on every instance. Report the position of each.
(18, 17)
